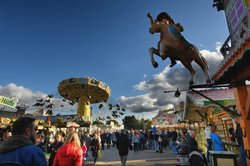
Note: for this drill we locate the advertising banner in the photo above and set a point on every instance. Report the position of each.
(9, 102)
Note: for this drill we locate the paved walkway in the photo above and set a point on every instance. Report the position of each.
(144, 158)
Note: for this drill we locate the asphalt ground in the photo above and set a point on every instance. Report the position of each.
(110, 157)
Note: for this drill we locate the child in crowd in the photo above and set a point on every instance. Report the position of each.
(84, 149)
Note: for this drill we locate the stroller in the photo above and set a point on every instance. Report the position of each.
(196, 159)
(184, 158)
(182, 154)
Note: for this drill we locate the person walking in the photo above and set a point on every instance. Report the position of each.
(114, 139)
(84, 149)
(174, 143)
(70, 154)
(103, 139)
(123, 147)
(95, 147)
(136, 141)
(20, 148)
(54, 147)
(87, 139)
(108, 139)
(160, 142)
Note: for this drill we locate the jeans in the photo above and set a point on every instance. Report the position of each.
(102, 145)
(174, 146)
(160, 147)
(123, 160)
(136, 147)
(95, 155)
(156, 145)
(150, 142)
(242, 156)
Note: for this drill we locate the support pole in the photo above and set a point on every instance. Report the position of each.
(84, 108)
(242, 97)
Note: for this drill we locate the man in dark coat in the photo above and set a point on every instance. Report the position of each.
(95, 147)
(54, 147)
(239, 138)
(123, 146)
(20, 148)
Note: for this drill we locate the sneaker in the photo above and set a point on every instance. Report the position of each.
(84, 159)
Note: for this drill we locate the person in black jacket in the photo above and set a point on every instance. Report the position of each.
(54, 147)
(195, 156)
(192, 143)
(123, 146)
(95, 147)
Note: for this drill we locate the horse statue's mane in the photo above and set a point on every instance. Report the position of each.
(173, 45)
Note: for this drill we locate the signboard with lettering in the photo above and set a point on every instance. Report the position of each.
(9, 102)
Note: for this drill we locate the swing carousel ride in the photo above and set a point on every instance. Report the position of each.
(84, 91)
(93, 98)
(81, 100)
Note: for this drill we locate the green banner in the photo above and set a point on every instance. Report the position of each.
(9, 102)
(225, 102)
(217, 108)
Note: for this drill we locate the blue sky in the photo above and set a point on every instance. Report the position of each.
(45, 41)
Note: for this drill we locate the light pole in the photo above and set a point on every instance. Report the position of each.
(177, 92)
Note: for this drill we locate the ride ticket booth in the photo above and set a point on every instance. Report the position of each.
(227, 158)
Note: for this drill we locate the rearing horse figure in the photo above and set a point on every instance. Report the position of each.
(176, 48)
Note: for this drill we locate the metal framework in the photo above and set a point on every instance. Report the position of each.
(193, 87)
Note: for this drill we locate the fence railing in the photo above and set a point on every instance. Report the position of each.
(236, 39)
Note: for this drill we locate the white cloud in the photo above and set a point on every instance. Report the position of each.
(24, 95)
(154, 98)
(28, 97)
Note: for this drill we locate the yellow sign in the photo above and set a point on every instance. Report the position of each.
(9, 102)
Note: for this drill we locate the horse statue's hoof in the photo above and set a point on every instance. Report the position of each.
(191, 82)
(209, 81)
(149, 15)
(155, 64)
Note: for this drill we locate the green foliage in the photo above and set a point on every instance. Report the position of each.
(130, 122)
(147, 124)
(114, 121)
(98, 123)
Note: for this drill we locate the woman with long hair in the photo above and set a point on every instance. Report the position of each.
(70, 154)
(136, 141)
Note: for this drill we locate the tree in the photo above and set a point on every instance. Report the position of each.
(98, 123)
(147, 124)
(114, 121)
(130, 122)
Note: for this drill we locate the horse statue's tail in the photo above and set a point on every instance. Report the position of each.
(195, 49)
(205, 62)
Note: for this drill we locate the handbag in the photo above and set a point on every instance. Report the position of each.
(99, 154)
